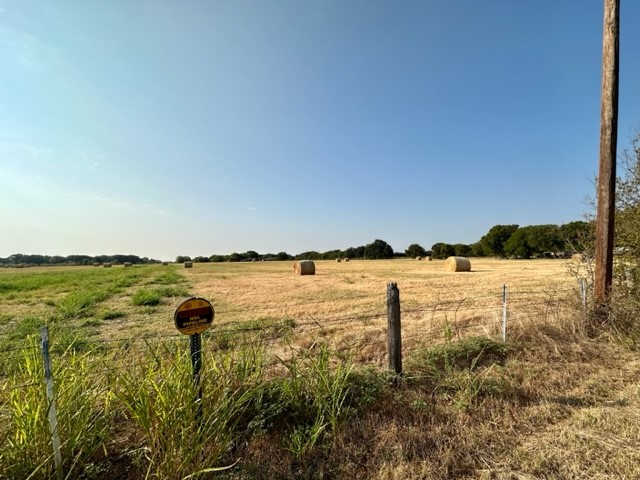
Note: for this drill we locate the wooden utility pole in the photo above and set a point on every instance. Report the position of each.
(608, 144)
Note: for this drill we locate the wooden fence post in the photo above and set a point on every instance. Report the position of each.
(394, 338)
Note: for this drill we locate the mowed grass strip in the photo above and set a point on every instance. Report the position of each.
(79, 299)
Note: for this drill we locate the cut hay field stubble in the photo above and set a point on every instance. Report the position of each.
(344, 304)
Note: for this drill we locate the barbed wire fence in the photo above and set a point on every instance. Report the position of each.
(366, 337)
(369, 336)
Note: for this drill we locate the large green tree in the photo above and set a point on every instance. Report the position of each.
(415, 250)
(534, 240)
(494, 241)
(462, 250)
(442, 250)
(378, 249)
(577, 236)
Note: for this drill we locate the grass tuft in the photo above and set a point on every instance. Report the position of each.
(146, 297)
(80, 304)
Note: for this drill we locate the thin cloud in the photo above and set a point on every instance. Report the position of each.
(28, 50)
(9, 147)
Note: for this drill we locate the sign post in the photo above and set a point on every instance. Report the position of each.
(192, 317)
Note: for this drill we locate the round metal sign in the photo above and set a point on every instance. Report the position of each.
(194, 315)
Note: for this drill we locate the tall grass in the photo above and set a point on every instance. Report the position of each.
(314, 393)
(183, 435)
(81, 303)
(84, 412)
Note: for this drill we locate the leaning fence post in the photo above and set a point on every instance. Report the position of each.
(53, 418)
(394, 338)
(504, 313)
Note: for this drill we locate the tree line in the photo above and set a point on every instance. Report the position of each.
(504, 241)
(18, 259)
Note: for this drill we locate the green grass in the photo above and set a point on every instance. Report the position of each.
(83, 411)
(74, 302)
(183, 435)
(80, 304)
(314, 396)
(111, 314)
(470, 353)
(146, 297)
(153, 296)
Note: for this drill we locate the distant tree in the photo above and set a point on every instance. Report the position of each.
(311, 255)
(34, 259)
(354, 252)
(218, 258)
(533, 240)
(235, 257)
(462, 250)
(494, 240)
(79, 259)
(183, 258)
(415, 250)
(332, 254)
(282, 256)
(517, 245)
(379, 249)
(544, 238)
(442, 250)
(476, 250)
(251, 255)
(577, 236)
(201, 259)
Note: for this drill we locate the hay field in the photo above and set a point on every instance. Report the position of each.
(344, 304)
(271, 288)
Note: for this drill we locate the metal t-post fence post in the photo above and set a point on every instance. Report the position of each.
(504, 313)
(583, 294)
(195, 347)
(53, 418)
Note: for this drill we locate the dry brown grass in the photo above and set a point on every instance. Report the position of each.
(345, 304)
(567, 409)
(559, 406)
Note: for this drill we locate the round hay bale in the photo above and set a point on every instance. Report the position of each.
(165, 263)
(428, 259)
(127, 264)
(96, 264)
(418, 258)
(106, 265)
(458, 264)
(304, 267)
(338, 260)
(188, 264)
(346, 259)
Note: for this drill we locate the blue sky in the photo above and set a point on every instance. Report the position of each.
(161, 128)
